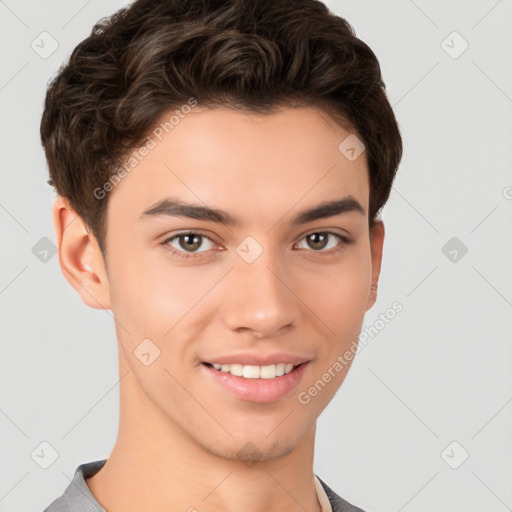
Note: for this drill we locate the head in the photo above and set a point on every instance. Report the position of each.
(244, 110)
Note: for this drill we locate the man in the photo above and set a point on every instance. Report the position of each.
(220, 167)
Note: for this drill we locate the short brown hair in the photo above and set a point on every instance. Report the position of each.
(254, 55)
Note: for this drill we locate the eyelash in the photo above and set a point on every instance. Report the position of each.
(184, 256)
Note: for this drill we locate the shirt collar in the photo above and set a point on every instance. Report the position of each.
(325, 504)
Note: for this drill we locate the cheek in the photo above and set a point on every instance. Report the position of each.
(151, 295)
(341, 291)
(339, 301)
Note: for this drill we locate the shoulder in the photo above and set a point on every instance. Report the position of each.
(58, 505)
(77, 497)
(338, 504)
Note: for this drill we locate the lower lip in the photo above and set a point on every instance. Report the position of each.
(258, 390)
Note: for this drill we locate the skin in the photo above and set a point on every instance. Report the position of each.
(179, 434)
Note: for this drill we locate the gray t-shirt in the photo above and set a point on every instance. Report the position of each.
(78, 498)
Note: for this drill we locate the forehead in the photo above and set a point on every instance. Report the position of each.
(244, 163)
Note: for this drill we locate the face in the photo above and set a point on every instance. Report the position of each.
(272, 288)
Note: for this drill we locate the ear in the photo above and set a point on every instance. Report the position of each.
(376, 245)
(80, 257)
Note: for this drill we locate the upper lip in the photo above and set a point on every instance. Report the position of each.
(259, 359)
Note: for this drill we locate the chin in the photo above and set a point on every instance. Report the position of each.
(252, 451)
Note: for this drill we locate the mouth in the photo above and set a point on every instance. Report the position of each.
(259, 384)
(270, 371)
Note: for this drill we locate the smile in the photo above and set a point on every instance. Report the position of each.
(254, 372)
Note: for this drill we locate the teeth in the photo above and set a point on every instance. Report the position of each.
(255, 372)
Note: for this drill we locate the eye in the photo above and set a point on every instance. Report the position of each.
(186, 243)
(319, 240)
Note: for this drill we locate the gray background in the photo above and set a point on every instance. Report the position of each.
(439, 372)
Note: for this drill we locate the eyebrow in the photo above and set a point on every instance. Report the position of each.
(174, 207)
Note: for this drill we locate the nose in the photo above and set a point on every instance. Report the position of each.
(258, 298)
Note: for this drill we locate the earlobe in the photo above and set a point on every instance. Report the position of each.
(376, 247)
(80, 258)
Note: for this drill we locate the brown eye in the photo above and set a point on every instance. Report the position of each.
(319, 240)
(188, 244)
